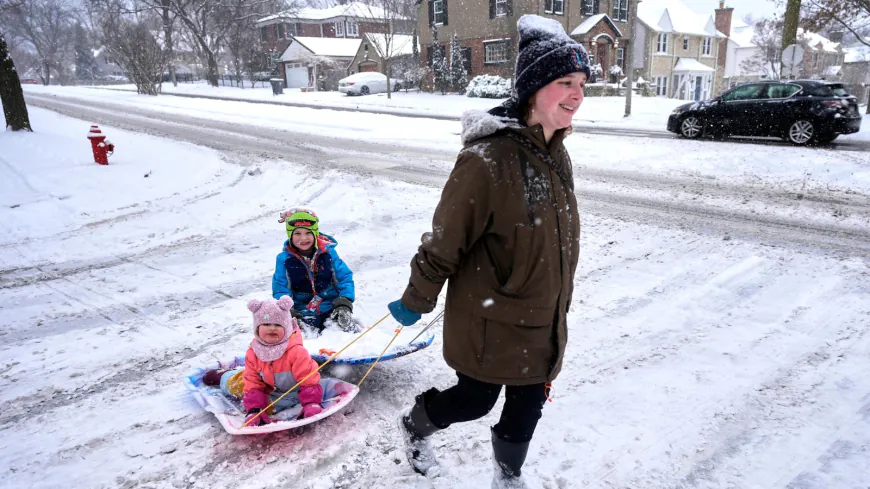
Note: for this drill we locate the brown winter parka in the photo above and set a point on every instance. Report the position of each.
(505, 236)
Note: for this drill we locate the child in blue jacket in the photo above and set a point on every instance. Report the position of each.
(310, 271)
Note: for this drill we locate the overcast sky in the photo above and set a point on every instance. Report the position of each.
(758, 8)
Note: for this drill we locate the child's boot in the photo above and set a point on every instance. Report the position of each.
(213, 377)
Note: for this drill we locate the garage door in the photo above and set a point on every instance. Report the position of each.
(297, 75)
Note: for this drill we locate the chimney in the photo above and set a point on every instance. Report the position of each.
(836, 36)
(723, 25)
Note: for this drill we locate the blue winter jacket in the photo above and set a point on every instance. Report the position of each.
(331, 276)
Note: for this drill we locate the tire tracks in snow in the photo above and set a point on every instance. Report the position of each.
(625, 201)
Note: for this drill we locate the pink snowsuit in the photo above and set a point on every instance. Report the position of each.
(276, 377)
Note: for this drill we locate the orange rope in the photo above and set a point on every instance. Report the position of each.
(398, 330)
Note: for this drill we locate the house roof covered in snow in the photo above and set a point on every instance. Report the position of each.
(674, 16)
(857, 54)
(401, 45)
(591, 22)
(817, 42)
(328, 46)
(692, 65)
(352, 9)
(742, 34)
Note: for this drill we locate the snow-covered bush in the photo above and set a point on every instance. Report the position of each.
(615, 70)
(596, 69)
(489, 86)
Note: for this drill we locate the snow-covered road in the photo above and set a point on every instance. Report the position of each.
(718, 328)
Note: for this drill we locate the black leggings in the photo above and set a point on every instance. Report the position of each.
(471, 399)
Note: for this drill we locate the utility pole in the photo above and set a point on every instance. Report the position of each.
(629, 58)
(790, 26)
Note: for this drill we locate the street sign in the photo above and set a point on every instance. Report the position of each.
(792, 57)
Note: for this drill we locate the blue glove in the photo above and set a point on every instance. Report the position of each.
(402, 314)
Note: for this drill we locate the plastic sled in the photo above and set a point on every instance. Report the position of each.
(395, 351)
(336, 395)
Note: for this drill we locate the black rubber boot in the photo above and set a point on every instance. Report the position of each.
(415, 426)
(508, 459)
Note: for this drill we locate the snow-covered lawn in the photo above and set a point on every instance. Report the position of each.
(692, 361)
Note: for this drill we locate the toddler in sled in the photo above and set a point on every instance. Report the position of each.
(275, 362)
(309, 270)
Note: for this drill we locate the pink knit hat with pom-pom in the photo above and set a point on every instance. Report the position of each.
(271, 311)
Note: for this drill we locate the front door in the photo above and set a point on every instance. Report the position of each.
(699, 83)
(602, 58)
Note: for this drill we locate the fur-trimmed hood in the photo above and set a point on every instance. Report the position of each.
(478, 124)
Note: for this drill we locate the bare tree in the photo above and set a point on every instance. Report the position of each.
(236, 19)
(129, 38)
(850, 15)
(391, 15)
(768, 38)
(11, 95)
(47, 26)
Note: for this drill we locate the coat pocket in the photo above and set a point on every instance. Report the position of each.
(518, 340)
(523, 257)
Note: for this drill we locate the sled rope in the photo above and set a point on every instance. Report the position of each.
(318, 368)
(398, 330)
(439, 316)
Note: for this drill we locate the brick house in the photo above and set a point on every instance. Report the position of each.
(351, 20)
(372, 53)
(487, 30)
(678, 50)
(856, 72)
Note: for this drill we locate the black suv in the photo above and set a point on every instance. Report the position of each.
(802, 112)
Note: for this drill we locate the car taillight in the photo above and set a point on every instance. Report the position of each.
(836, 103)
(350, 83)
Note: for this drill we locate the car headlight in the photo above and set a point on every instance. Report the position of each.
(677, 110)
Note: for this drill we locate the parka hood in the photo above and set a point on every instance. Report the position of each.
(478, 124)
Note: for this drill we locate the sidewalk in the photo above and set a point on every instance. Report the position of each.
(649, 113)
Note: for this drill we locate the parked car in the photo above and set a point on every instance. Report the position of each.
(366, 83)
(801, 112)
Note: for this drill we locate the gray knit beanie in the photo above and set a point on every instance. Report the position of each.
(546, 53)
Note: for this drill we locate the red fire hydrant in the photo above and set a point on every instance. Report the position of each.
(103, 148)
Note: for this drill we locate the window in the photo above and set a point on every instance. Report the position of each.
(661, 86)
(281, 31)
(554, 6)
(264, 33)
(501, 8)
(495, 52)
(707, 47)
(352, 28)
(620, 10)
(620, 58)
(589, 7)
(339, 28)
(746, 92)
(685, 43)
(662, 44)
(292, 29)
(782, 90)
(275, 31)
(438, 11)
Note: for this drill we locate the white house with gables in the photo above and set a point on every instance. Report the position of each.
(677, 49)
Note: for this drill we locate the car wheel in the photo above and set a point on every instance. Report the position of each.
(691, 127)
(801, 132)
(364, 91)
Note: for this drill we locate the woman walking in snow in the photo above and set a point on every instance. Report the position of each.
(505, 235)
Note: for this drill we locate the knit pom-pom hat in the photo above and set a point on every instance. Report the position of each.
(271, 311)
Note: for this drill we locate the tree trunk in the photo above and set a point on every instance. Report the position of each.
(628, 59)
(212, 75)
(790, 27)
(167, 30)
(11, 95)
(46, 73)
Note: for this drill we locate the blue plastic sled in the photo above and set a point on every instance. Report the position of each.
(396, 352)
(336, 395)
